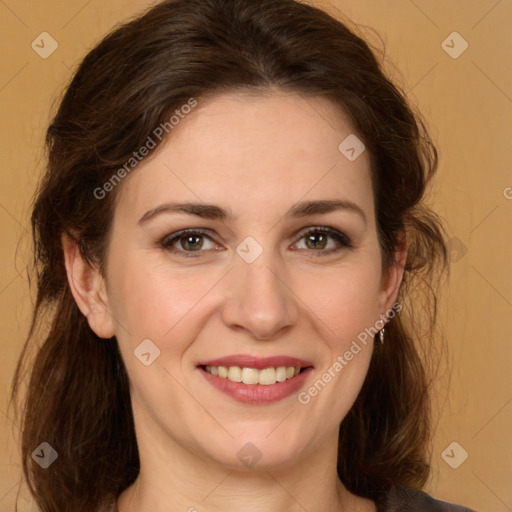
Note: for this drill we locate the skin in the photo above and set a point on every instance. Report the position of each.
(257, 155)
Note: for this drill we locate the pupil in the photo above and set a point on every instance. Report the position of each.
(191, 246)
(311, 237)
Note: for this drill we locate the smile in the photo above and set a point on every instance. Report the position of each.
(265, 377)
(255, 380)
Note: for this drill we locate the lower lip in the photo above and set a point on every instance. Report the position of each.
(257, 393)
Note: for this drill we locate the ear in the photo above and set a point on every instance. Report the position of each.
(88, 288)
(393, 276)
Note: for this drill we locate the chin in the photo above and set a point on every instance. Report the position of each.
(258, 451)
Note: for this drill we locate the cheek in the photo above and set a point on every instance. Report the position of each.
(345, 306)
(160, 305)
(155, 302)
(345, 302)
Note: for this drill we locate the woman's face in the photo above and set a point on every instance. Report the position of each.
(256, 284)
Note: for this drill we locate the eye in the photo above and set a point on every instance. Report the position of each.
(189, 241)
(317, 239)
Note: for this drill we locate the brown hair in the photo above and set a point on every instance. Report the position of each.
(78, 397)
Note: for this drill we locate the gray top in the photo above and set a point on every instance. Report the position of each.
(403, 499)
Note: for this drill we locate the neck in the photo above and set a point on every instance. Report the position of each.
(173, 478)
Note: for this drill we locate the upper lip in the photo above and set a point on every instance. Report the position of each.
(247, 361)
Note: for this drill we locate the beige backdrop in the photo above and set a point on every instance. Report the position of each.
(466, 96)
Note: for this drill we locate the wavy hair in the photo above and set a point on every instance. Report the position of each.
(77, 397)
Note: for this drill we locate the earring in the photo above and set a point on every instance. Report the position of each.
(381, 336)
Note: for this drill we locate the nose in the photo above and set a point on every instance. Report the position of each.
(258, 299)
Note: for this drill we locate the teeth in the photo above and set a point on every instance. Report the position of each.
(267, 376)
(281, 373)
(264, 377)
(235, 373)
(250, 376)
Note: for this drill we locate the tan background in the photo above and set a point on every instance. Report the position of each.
(468, 104)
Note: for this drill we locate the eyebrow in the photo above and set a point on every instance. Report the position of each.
(211, 211)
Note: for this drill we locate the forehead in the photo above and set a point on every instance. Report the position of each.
(252, 151)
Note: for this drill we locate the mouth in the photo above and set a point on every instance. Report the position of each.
(254, 376)
(256, 380)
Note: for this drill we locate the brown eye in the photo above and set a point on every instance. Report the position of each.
(186, 242)
(191, 242)
(317, 240)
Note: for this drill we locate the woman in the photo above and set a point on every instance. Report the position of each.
(225, 237)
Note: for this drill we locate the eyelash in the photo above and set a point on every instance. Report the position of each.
(344, 241)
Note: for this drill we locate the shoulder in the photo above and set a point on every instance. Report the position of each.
(403, 499)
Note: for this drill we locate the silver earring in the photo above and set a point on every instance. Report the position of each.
(381, 336)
